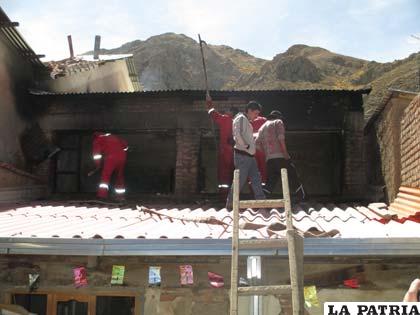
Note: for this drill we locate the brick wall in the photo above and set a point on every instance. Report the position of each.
(187, 156)
(410, 145)
(388, 131)
(354, 175)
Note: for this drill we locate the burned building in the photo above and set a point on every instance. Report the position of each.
(173, 143)
(20, 67)
(43, 242)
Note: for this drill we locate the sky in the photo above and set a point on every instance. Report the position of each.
(380, 30)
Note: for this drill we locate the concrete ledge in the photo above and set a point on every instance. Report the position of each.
(13, 194)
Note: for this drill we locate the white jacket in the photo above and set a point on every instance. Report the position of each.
(243, 134)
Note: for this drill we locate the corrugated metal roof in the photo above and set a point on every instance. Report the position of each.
(17, 41)
(87, 221)
(104, 57)
(313, 247)
(385, 101)
(213, 92)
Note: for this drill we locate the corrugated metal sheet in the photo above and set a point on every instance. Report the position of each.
(17, 41)
(391, 93)
(313, 247)
(213, 92)
(87, 221)
(105, 57)
(75, 228)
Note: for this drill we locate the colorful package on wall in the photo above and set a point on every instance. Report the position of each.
(216, 280)
(186, 274)
(33, 281)
(351, 283)
(154, 275)
(117, 274)
(311, 296)
(80, 277)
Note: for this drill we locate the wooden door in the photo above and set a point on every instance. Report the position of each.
(74, 305)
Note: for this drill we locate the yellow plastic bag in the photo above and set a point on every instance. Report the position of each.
(311, 297)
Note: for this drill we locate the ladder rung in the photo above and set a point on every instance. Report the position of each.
(271, 243)
(267, 203)
(265, 290)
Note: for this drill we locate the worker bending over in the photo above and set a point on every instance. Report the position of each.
(271, 139)
(110, 151)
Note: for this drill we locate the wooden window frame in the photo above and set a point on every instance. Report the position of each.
(83, 295)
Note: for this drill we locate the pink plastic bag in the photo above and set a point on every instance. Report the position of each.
(186, 273)
(80, 277)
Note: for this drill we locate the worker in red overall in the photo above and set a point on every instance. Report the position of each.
(225, 158)
(259, 155)
(112, 150)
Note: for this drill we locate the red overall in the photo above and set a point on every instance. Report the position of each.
(113, 151)
(259, 155)
(225, 163)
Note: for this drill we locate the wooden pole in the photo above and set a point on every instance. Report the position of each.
(204, 64)
(296, 271)
(97, 47)
(286, 197)
(70, 46)
(207, 92)
(295, 249)
(235, 248)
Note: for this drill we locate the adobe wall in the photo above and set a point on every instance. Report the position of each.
(388, 129)
(410, 144)
(380, 281)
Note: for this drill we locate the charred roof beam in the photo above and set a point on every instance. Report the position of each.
(9, 24)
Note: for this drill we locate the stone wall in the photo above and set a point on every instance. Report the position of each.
(410, 145)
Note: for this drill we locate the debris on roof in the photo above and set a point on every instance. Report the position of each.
(70, 66)
(87, 221)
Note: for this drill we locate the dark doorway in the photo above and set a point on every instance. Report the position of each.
(150, 163)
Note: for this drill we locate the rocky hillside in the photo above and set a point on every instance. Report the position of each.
(173, 61)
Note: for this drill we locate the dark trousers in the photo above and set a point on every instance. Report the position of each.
(274, 167)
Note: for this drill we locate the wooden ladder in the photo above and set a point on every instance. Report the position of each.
(294, 243)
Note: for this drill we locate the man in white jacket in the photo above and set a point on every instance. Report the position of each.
(244, 151)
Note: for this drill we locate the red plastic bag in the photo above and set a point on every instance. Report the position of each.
(216, 280)
(352, 283)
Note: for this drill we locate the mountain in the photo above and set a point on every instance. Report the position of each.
(173, 61)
